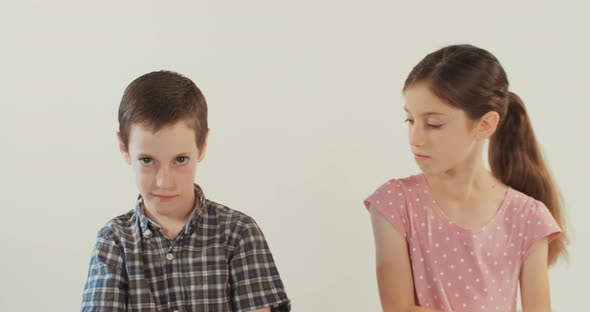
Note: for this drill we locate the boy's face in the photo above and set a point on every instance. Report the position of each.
(164, 164)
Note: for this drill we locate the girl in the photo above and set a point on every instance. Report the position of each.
(458, 237)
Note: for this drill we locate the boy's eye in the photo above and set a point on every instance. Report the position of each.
(146, 161)
(182, 159)
(434, 126)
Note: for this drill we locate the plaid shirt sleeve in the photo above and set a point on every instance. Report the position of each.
(255, 280)
(106, 286)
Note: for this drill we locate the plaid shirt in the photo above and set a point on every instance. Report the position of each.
(219, 262)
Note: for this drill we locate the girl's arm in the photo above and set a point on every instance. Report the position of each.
(534, 283)
(394, 271)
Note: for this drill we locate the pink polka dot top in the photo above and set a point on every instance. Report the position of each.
(458, 269)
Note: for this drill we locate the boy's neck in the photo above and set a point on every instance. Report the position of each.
(172, 223)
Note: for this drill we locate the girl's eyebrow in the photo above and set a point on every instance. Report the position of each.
(426, 114)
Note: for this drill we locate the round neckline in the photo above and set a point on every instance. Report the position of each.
(447, 220)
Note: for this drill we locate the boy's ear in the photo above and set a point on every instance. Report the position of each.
(203, 149)
(122, 148)
(487, 125)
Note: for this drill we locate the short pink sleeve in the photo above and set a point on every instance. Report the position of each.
(540, 224)
(389, 200)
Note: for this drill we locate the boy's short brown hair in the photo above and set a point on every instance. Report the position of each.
(160, 99)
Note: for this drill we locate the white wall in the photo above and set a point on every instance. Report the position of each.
(306, 117)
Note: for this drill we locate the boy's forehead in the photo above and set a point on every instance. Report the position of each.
(177, 138)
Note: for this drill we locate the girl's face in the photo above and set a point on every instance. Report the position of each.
(442, 138)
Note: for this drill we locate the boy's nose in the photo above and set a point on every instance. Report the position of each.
(164, 179)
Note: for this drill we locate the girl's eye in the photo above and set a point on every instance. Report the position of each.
(146, 161)
(181, 159)
(410, 121)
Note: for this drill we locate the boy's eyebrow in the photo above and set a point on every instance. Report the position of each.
(427, 113)
(142, 155)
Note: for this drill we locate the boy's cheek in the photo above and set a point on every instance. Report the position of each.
(143, 179)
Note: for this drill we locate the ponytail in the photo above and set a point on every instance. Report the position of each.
(515, 159)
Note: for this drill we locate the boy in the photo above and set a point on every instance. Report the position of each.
(176, 250)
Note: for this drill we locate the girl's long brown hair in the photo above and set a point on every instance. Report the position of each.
(472, 79)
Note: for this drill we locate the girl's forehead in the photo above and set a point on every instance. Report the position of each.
(419, 100)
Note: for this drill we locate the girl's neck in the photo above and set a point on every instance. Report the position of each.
(460, 184)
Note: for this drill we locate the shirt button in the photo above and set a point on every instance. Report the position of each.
(170, 256)
(176, 311)
(147, 233)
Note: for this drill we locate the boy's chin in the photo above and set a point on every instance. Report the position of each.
(162, 207)
(162, 204)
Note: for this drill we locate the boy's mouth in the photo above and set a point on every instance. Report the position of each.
(164, 196)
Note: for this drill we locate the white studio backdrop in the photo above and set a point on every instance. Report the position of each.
(306, 118)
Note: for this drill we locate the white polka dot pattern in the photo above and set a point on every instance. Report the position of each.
(457, 269)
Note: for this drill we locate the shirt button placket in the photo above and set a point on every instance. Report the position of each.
(147, 234)
(170, 257)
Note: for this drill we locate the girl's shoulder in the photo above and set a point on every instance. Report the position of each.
(520, 203)
(406, 184)
(393, 200)
(528, 214)
(396, 191)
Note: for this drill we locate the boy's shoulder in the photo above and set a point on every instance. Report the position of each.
(122, 225)
(224, 217)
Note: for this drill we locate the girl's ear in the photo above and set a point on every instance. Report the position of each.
(122, 149)
(487, 125)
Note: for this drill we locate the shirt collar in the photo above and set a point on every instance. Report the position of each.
(145, 222)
